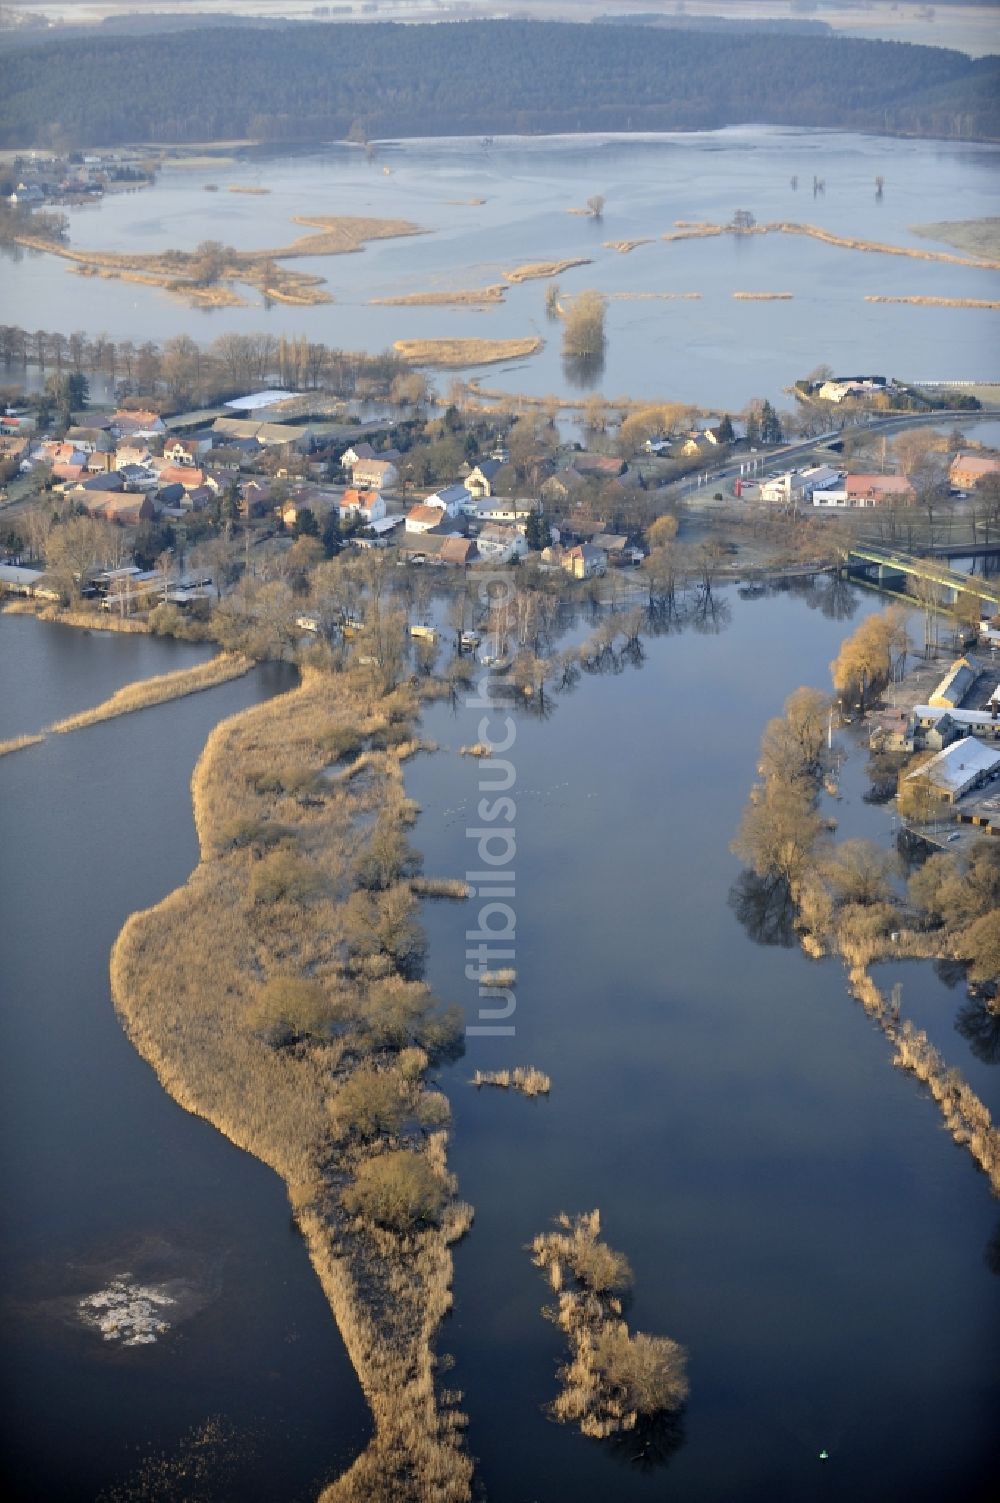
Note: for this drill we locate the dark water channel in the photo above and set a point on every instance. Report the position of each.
(103, 1177)
(792, 1208)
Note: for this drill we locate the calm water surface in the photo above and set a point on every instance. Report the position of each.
(792, 1208)
(709, 351)
(101, 1173)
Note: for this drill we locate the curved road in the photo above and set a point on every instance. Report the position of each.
(776, 459)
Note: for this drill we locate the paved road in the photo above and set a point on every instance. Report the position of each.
(772, 460)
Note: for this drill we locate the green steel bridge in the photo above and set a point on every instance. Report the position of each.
(886, 564)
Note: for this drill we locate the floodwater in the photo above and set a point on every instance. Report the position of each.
(105, 1181)
(791, 1206)
(711, 351)
(793, 1211)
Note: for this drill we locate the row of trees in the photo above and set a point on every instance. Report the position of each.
(180, 370)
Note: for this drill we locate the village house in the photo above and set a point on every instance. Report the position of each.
(958, 769)
(585, 561)
(269, 435)
(90, 440)
(453, 500)
(65, 475)
(181, 474)
(566, 485)
(617, 548)
(16, 424)
(423, 518)
(14, 448)
(128, 508)
(839, 388)
(482, 477)
(879, 490)
(599, 466)
(697, 445)
(438, 548)
(15, 580)
(113, 482)
(376, 533)
(967, 469)
(354, 455)
(366, 505)
(509, 512)
(137, 477)
(256, 499)
(51, 452)
(137, 424)
(374, 475)
(186, 451)
(956, 686)
(984, 723)
(131, 453)
(501, 544)
(802, 485)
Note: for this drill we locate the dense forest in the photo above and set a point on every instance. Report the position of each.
(307, 82)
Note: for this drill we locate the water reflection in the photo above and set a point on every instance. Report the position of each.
(583, 372)
(653, 1443)
(980, 1028)
(991, 1256)
(764, 908)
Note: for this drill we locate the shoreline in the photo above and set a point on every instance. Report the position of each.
(190, 1019)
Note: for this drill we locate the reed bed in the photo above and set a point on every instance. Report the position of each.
(160, 689)
(935, 302)
(452, 353)
(18, 743)
(613, 1378)
(271, 917)
(640, 297)
(625, 247)
(763, 297)
(95, 620)
(440, 887)
(503, 976)
(693, 230)
(965, 1115)
(477, 749)
(533, 271)
(496, 292)
(333, 235)
(523, 1078)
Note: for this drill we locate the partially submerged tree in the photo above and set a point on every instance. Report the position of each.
(870, 657)
(397, 1190)
(583, 325)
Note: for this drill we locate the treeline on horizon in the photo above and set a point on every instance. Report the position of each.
(324, 82)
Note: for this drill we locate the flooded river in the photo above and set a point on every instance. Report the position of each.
(120, 1210)
(711, 350)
